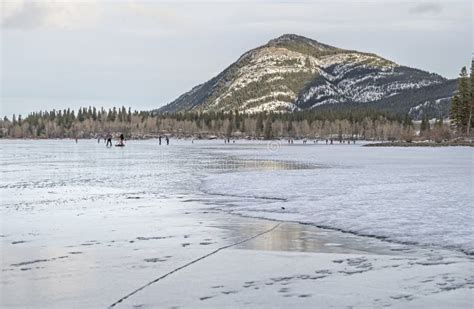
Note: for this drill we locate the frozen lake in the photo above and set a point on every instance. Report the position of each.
(82, 224)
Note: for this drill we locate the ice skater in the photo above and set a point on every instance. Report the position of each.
(121, 139)
(108, 142)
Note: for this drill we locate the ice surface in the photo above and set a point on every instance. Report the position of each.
(410, 195)
(82, 225)
(275, 280)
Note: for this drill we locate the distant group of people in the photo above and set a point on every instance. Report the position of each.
(341, 141)
(121, 140)
(167, 140)
(108, 140)
(328, 141)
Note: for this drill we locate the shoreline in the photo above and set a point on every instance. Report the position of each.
(420, 144)
(364, 143)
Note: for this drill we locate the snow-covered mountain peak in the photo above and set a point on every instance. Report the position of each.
(293, 72)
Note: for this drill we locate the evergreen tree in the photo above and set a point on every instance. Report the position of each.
(425, 126)
(229, 129)
(407, 129)
(268, 128)
(455, 113)
(471, 101)
(124, 113)
(460, 112)
(439, 123)
(120, 116)
(80, 116)
(110, 116)
(407, 122)
(259, 125)
(465, 98)
(290, 128)
(422, 125)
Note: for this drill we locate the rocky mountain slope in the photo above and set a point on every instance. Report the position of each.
(296, 73)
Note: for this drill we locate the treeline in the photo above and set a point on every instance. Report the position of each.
(462, 104)
(92, 123)
(67, 123)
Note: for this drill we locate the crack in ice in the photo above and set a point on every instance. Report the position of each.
(191, 263)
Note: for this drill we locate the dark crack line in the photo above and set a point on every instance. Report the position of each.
(255, 197)
(191, 263)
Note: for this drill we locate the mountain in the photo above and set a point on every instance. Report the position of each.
(292, 73)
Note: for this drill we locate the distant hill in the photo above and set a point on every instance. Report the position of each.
(292, 73)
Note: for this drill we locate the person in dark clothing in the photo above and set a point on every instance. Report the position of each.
(109, 141)
(167, 140)
(159, 140)
(122, 138)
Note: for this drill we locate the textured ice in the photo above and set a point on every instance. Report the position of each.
(408, 195)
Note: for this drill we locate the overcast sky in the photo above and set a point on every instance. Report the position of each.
(144, 54)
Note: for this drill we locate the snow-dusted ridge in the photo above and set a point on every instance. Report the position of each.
(292, 72)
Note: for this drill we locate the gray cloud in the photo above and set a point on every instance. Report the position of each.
(27, 15)
(426, 8)
(20, 16)
(146, 53)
